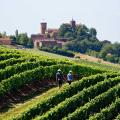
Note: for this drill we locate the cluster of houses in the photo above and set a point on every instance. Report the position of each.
(5, 41)
(49, 37)
(46, 37)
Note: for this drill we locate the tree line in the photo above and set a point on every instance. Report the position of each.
(84, 40)
(80, 39)
(19, 38)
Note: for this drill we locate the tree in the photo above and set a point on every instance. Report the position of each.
(16, 35)
(30, 43)
(0, 35)
(93, 33)
(116, 48)
(68, 35)
(64, 28)
(108, 49)
(82, 32)
(23, 39)
(13, 38)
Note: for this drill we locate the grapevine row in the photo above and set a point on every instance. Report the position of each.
(7, 50)
(95, 104)
(8, 56)
(118, 117)
(11, 61)
(42, 107)
(40, 73)
(70, 104)
(108, 113)
(18, 68)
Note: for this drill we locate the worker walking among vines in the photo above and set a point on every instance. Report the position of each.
(59, 78)
(69, 77)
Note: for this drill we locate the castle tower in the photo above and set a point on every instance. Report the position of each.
(73, 23)
(43, 27)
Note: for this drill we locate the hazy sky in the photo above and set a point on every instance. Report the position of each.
(26, 15)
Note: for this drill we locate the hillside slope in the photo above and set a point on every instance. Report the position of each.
(94, 59)
(21, 68)
(53, 102)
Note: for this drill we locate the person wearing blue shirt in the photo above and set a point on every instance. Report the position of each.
(69, 77)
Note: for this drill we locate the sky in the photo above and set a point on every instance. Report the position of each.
(26, 15)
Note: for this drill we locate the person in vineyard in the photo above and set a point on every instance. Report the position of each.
(59, 78)
(69, 77)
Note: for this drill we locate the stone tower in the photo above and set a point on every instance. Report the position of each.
(43, 27)
(73, 23)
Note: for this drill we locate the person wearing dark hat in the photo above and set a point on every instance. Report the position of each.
(69, 77)
(59, 78)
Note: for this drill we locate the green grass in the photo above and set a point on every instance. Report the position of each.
(114, 67)
(45, 54)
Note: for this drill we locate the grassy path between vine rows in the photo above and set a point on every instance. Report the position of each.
(18, 108)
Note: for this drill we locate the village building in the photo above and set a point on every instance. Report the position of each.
(5, 41)
(49, 37)
(47, 42)
(46, 38)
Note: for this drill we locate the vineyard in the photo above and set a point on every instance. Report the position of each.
(94, 94)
